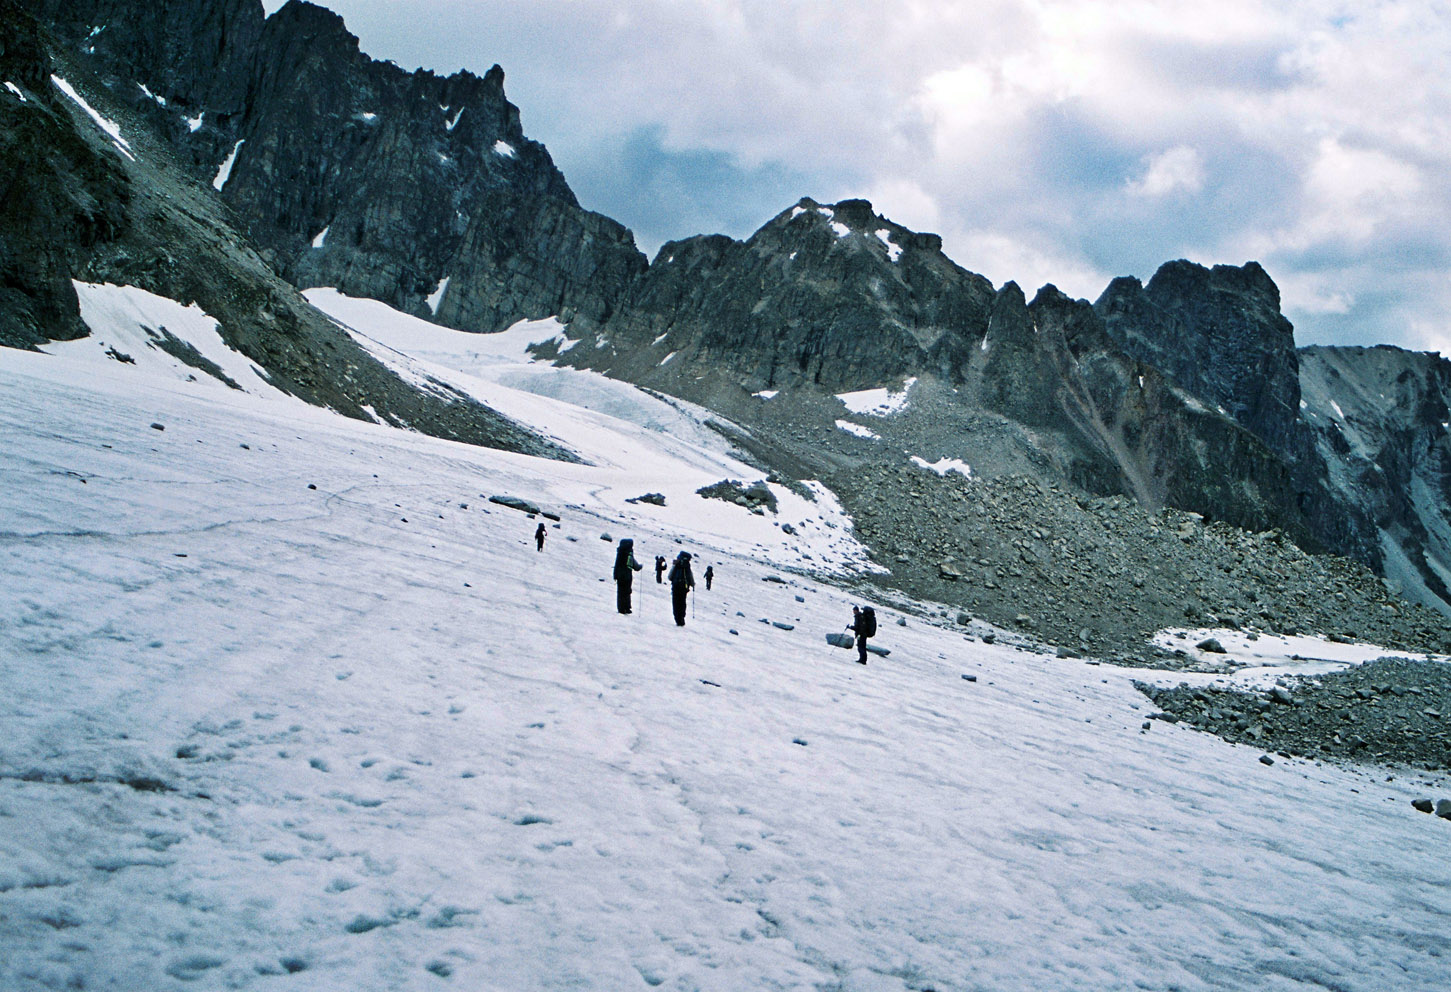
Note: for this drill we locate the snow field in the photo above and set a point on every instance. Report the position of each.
(362, 737)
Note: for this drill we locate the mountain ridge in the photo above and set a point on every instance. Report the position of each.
(1183, 392)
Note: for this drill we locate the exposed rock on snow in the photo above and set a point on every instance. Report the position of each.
(1386, 711)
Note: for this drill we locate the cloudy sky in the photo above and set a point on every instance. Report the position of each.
(1063, 141)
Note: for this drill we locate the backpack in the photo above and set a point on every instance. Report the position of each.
(869, 622)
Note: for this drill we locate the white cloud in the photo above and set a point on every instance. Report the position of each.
(1003, 258)
(1179, 168)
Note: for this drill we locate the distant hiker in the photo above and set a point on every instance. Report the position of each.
(864, 625)
(539, 537)
(625, 568)
(659, 569)
(681, 582)
(709, 574)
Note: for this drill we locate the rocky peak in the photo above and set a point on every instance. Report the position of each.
(312, 24)
(833, 296)
(1218, 333)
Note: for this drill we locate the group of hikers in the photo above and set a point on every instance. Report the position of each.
(682, 578)
(682, 583)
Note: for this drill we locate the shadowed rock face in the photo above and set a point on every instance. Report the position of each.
(1218, 333)
(415, 178)
(1378, 420)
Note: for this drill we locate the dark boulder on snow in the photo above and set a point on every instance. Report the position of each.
(515, 503)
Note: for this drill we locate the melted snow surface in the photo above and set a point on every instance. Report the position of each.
(858, 430)
(1267, 657)
(436, 297)
(225, 171)
(112, 129)
(944, 465)
(878, 402)
(256, 735)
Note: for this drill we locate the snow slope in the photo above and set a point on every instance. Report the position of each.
(257, 735)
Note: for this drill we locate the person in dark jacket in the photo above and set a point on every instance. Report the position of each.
(539, 537)
(625, 568)
(681, 582)
(659, 569)
(862, 628)
(709, 574)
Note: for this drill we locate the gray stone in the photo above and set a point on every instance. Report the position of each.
(1211, 645)
(515, 503)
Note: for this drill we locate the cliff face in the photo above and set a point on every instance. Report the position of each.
(418, 190)
(1218, 333)
(1380, 419)
(59, 196)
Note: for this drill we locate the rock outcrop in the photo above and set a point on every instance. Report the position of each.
(1219, 334)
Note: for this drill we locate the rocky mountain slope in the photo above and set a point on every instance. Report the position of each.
(1186, 393)
(825, 299)
(418, 190)
(88, 193)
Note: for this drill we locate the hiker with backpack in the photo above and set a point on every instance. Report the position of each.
(659, 569)
(681, 582)
(709, 574)
(863, 625)
(539, 537)
(625, 568)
